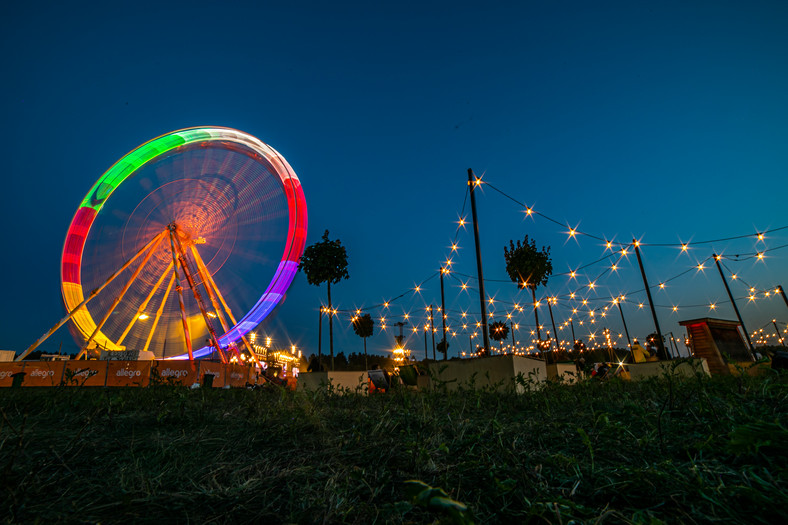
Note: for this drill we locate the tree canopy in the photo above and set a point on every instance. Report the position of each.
(527, 265)
(443, 347)
(499, 331)
(363, 325)
(324, 261)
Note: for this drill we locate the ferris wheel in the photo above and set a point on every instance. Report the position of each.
(183, 246)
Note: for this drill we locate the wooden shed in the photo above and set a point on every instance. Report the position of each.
(719, 341)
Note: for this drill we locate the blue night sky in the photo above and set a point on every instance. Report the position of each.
(664, 121)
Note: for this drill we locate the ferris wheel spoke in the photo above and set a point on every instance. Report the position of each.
(210, 283)
(160, 310)
(123, 291)
(144, 304)
(85, 301)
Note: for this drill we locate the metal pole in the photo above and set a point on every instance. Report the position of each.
(482, 296)
(660, 341)
(470, 345)
(432, 331)
(733, 302)
(672, 344)
(555, 332)
(443, 317)
(426, 352)
(782, 292)
(320, 339)
(513, 341)
(779, 337)
(330, 326)
(574, 339)
(536, 317)
(626, 331)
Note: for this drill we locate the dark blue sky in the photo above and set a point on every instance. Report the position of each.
(666, 122)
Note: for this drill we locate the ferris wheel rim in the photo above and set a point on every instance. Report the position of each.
(148, 152)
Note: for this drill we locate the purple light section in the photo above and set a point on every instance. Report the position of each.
(285, 273)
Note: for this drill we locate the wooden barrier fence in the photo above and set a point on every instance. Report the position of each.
(124, 373)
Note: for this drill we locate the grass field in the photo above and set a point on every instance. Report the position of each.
(692, 450)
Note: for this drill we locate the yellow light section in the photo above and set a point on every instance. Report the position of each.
(83, 318)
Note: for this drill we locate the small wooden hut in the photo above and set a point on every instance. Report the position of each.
(719, 341)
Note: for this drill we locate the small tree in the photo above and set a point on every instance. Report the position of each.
(529, 268)
(443, 347)
(325, 262)
(499, 331)
(364, 326)
(656, 344)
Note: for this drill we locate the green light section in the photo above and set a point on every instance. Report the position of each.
(134, 160)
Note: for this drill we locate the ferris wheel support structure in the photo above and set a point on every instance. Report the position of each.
(209, 284)
(85, 301)
(197, 297)
(179, 289)
(209, 279)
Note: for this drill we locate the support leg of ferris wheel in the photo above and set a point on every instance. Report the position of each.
(144, 304)
(202, 271)
(179, 289)
(160, 310)
(85, 301)
(210, 283)
(120, 296)
(197, 297)
(209, 287)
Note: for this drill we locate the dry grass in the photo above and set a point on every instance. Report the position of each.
(691, 450)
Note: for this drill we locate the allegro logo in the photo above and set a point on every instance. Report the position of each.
(38, 372)
(169, 372)
(4, 374)
(128, 373)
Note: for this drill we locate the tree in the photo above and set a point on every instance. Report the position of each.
(528, 267)
(325, 262)
(443, 347)
(499, 331)
(364, 326)
(342, 362)
(656, 345)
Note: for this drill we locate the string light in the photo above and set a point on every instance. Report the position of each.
(593, 283)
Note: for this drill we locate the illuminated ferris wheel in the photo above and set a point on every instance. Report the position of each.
(183, 246)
